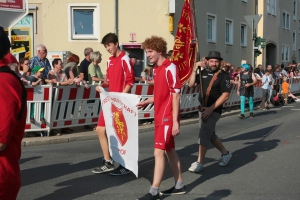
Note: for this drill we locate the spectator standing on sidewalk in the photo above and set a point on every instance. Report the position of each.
(84, 65)
(167, 96)
(94, 70)
(271, 89)
(265, 89)
(13, 111)
(261, 70)
(245, 89)
(41, 60)
(59, 78)
(211, 113)
(283, 71)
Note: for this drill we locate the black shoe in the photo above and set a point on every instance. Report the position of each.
(173, 191)
(242, 116)
(106, 167)
(149, 196)
(120, 171)
(251, 115)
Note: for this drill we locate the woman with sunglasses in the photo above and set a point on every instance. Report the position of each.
(24, 70)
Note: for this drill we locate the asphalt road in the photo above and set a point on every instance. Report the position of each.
(265, 164)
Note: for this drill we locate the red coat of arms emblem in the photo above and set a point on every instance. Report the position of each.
(119, 124)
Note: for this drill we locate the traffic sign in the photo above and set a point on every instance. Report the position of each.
(249, 19)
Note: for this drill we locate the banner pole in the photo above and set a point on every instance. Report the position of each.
(198, 58)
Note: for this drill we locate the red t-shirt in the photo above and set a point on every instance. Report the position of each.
(11, 131)
(119, 73)
(166, 82)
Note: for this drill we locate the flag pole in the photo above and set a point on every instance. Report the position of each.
(198, 58)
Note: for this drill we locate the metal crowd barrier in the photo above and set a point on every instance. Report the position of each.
(71, 106)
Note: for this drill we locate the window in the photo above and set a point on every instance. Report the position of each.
(211, 28)
(285, 53)
(244, 35)
(286, 20)
(84, 21)
(228, 32)
(295, 10)
(271, 7)
(294, 40)
(298, 55)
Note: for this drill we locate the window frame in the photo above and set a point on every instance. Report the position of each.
(245, 42)
(230, 36)
(285, 50)
(214, 28)
(271, 7)
(294, 41)
(286, 20)
(295, 10)
(96, 21)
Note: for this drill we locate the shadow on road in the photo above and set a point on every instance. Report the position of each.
(94, 184)
(217, 194)
(240, 157)
(24, 160)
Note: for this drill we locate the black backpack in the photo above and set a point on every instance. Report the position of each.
(24, 92)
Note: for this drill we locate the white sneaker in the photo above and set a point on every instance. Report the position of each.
(225, 159)
(196, 167)
(297, 100)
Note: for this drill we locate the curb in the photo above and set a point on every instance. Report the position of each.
(91, 135)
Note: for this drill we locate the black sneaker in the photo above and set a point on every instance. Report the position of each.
(173, 191)
(251, 115)
(149, 196)
(242, 116)
(120, 171)
(106, 167)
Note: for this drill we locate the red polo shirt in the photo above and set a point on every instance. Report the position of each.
(166, 82)
(119, 73)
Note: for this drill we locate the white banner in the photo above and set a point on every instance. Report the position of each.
(121, 122)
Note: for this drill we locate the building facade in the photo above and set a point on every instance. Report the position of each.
(221, 26)
(72, 25)
(281, 27)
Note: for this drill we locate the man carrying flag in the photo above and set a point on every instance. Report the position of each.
(166, 99)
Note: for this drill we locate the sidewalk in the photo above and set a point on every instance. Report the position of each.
(81, 134)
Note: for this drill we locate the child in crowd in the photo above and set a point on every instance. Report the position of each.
(37, 79)
(285, 90)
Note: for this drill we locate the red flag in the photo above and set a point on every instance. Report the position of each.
(185, 44)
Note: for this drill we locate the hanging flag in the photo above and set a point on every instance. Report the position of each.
(185, 44)
(121, 123)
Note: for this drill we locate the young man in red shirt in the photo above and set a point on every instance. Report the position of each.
(12, 124)
(166, 98)
(119, 78)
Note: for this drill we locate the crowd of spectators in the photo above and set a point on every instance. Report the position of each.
(38, 71)
(271, 80)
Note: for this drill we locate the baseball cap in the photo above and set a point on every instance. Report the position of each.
(37, 69)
